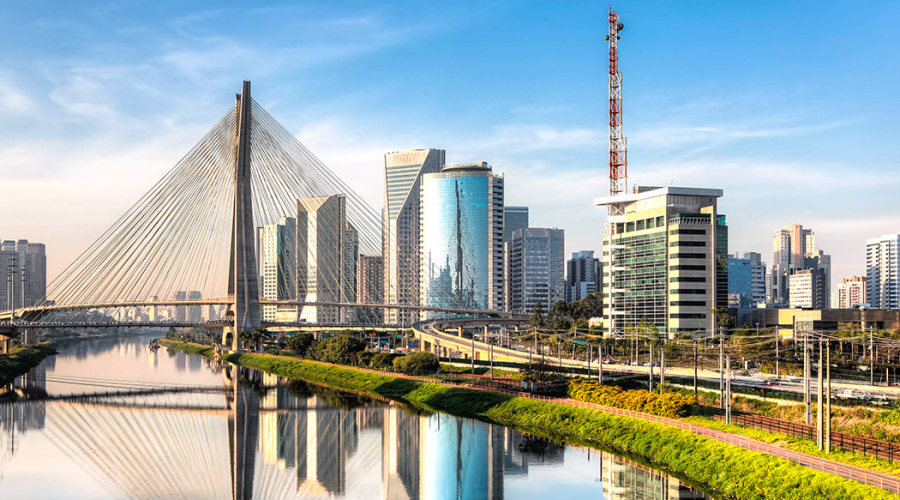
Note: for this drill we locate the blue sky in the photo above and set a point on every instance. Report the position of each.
(790, 107)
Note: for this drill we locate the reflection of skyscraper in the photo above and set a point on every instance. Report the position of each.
(625, 479)
(402, 444)
(325, 439)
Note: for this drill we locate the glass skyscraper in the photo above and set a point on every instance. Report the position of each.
(462, 238)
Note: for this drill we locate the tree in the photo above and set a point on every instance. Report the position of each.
(338, 349)
(417, 363)
(300, 343)
(537, 316)
(253, 338)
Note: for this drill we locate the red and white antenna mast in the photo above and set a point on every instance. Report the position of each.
(618, 154)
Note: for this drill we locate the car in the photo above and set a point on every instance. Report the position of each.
(844, 394)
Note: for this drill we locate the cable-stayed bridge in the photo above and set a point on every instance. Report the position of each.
(248, 229)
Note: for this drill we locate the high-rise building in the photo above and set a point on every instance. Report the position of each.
(664, 260)
(849, 293)
(324, 248)
(794, 249)
(807, 289)
(370, 288)
(583, 272)
(514, 218)
(23, 274)
(883, 272)
(462, 238)
(180, 311)
(400, 209)
(746, 279)
(536, 268)
(278, 264)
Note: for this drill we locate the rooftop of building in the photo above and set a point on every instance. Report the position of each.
(456, 167)
(647, 192)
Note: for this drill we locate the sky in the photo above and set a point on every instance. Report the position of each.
(790, 107)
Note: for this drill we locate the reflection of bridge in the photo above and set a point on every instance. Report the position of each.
(249, 225)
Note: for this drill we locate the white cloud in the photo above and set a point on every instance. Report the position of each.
(14, 100)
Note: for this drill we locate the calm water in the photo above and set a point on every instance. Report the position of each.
(183, 427)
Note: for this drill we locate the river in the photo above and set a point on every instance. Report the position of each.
(109, 419)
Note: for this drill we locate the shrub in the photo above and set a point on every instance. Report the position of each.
(665, 405)
(300, 343)
(381, 361)
(417, 363)
(339, 350)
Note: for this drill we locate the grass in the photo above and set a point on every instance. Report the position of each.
(22, 359)
(801, 445)
(727, 470)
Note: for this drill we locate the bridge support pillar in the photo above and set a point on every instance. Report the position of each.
(29, 336)
(4, 344)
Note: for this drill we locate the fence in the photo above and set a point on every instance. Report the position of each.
(840, 440)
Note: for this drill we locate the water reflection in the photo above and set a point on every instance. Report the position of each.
(257, 436)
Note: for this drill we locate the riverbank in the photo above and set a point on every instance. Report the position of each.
(726, 470)
(22, 359)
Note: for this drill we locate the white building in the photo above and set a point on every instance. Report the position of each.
(400, 211)
(278, 264)
(325, 248)
(807, 289)
(882, 277)
(849, 293)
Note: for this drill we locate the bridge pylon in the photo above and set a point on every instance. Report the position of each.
(243, 283)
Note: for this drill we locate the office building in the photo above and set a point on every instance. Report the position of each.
(278, 264)
(370, 288)
(324, 247)
(882, 273)
(807, 289)
(583, 272)
(664, 260)
(400, 210)
(514, 218)
(462, 238)
(23, 274)
(536, 268)
(746, 279)
(794, 249)
(849, 293)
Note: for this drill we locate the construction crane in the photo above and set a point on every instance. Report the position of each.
(618, 154)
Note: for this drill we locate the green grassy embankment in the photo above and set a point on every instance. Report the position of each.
(729, 471)
(22, 359)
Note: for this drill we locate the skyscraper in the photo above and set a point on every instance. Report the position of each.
(794, 249)
(370, 288)
(849, 293)
(583, 272)
(883, 272)
(664, 260)
(514, 218)
(400, 209)
(324, 247)
(23, 274)
(806, 289)
(462, 238)
(536, 268)
(278, 264)
(746, 279)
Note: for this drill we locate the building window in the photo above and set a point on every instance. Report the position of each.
(688, 231)
(698, 303)
(687, 279)
(685, 267)
(687, 256)
(687, 244)
(687, 315)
